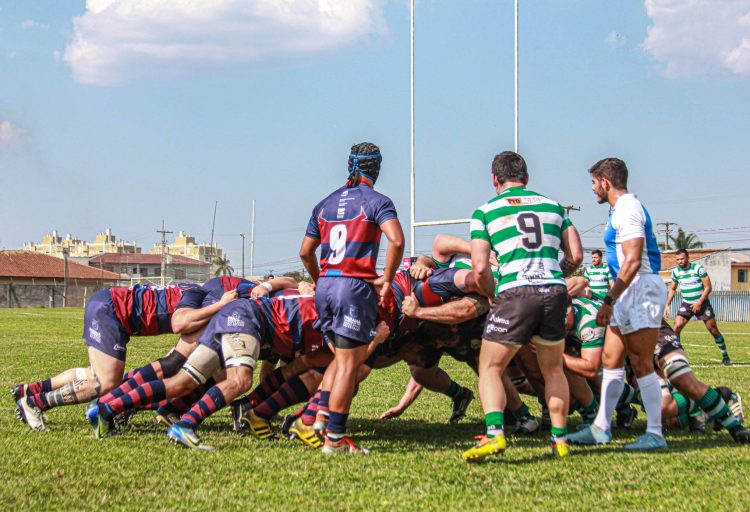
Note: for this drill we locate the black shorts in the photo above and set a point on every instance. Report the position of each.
(706, 312)
(518, 314)
(668, 342)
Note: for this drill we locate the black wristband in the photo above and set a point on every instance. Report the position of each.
(608, 300)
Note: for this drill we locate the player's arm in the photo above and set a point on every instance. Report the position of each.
(446, 246)
(382, 331)
(187, 320)
(273, 285)
(395, 235)
(309, 258)
(451, 313)
(412, 391)
(707, 289)
(587, 365)
(632, 250)
(480, 267)
(422, 268)
(573, 249)
(671, 292)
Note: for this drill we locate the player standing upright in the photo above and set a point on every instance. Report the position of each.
(598, 275)
(695, 287)
(526, 230)
(347, 225)
(632, 309)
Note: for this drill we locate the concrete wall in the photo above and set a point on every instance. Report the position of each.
(43, 295)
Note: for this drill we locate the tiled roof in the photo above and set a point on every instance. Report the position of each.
(144, 259)
(669, 258)
(34, 264)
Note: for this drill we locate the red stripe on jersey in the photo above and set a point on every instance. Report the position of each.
(309, 315)
(149, 324)
(122, 300)
(362, 268)
(282, 336)
(429, 297)
(230, 282)
(173, 294)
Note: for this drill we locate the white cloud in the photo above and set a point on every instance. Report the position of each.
(11, 136)
(31, 25)
(615, 39)
(699, 37)
(118, 40)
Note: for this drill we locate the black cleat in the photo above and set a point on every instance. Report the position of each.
(289, 419)
(123, 419)
(460, 404)
(697, 424)
(726, 361)
(740, 434)
(237, 409)
(626, 416)
(18, 392)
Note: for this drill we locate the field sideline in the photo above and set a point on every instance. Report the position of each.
(414, 465)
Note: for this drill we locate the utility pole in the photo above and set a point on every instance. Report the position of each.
(666, 233)
(252, 242)
(66, 253)
(163, 249)
(213, 249)
(242, 235)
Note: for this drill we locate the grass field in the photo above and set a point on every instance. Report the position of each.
(414, 465)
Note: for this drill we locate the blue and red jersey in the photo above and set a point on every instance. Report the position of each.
(211, 291)
(146, 311)
(290, 321)
(347, 223)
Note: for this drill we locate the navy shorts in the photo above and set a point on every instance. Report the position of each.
(239, 316)
(347, 307)
(101, 329)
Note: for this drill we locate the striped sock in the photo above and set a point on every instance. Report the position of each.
(266, 388)
(43, 386)
(291, 392)
(136, 377)
(559, 433)
(323, 399)
(717, 410)
(629, 395)
(181, 404)
(308, 417)
(719, 340)
(494, 422)
(336, 428)
(153, 391)
(211, 402)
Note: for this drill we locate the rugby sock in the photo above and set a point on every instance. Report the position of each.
(559, 433)
(43, 386)
(267, 387)
(629, 395)
(714, 405)
(323, 405)
(154, 391)
(211, 402)
(719, 340)
(291, 392)
(592, 407)
(182, 404)
(135, 378)
(308, 417)
(494, 422)
(453, 390)
(521, 413)
(651, 398)
(336, 426)
(682, 408)
(613, 382)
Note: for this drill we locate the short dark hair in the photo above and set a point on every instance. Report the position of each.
(682, 251)
(597, 252)
(510, 166)
(613, 169)
(365, 158)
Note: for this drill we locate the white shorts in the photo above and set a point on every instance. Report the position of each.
(641, 306)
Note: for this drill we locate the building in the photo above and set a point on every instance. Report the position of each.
(105, 242)
(29, 279)
(727, 269)
(185, 245)
(146, 268)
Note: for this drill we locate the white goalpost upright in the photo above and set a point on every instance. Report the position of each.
(414, 223)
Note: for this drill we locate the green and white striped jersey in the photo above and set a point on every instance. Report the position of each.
(598, 278)
(584, 314)
(455, 261)
(525, 231)
(690, 281)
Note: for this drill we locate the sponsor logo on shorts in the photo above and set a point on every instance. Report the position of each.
(94, 333)
(234, 320)
(493, 318)
(119, 347)
(352, 323)
(683, 309)
(495, 324)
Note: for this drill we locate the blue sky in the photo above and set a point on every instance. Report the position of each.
(123, 114)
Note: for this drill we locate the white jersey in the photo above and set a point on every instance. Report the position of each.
(629, 220)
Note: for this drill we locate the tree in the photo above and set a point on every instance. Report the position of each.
(685, 241)
(223, 268)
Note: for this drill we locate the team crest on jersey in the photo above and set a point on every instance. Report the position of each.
(518, 201)
(591, 334)
(234, 320)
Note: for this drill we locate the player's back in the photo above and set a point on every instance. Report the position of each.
(146, 311)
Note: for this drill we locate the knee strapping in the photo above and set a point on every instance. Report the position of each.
(171, 363)
(676, 366)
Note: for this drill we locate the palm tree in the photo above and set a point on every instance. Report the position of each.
(685, 241)
(223, 268)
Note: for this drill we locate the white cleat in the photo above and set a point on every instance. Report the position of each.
(31, 415)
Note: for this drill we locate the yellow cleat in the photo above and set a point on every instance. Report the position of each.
(559, 448)
(304, 433)
(259, 428)
(485, 447)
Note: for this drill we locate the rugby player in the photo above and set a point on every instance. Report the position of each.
(632, 309)
(347, 225)
(695, 287)
(598, 275)
(526, 230)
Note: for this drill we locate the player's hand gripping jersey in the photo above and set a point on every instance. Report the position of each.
(212, 290)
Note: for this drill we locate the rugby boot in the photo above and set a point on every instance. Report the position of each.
(733, 401)
(526, 426)
(305, 433)
(319, 427)
(460, 404)
(165, 417)
(186, 436)
(590, 434)
(726, 361)
(559, 447)
(102, 427)
(31, 415)
(485, 447)
(123, 419)
(237, 410)
(646, 442)
(626, 416)
(697, 423)
(740, 434)
(258, 427)
(18, 392)
(345, 445)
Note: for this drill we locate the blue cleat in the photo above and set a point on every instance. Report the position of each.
(92, 412)
(591, 434)
(102, 427)
(647, 441)
(187, 437)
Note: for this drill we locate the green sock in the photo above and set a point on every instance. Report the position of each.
(592, 407)
(453, 390)
(559, 432)
(719, 340)
(520, 413)
(494, 422)
(682, 407)
(716, 408)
